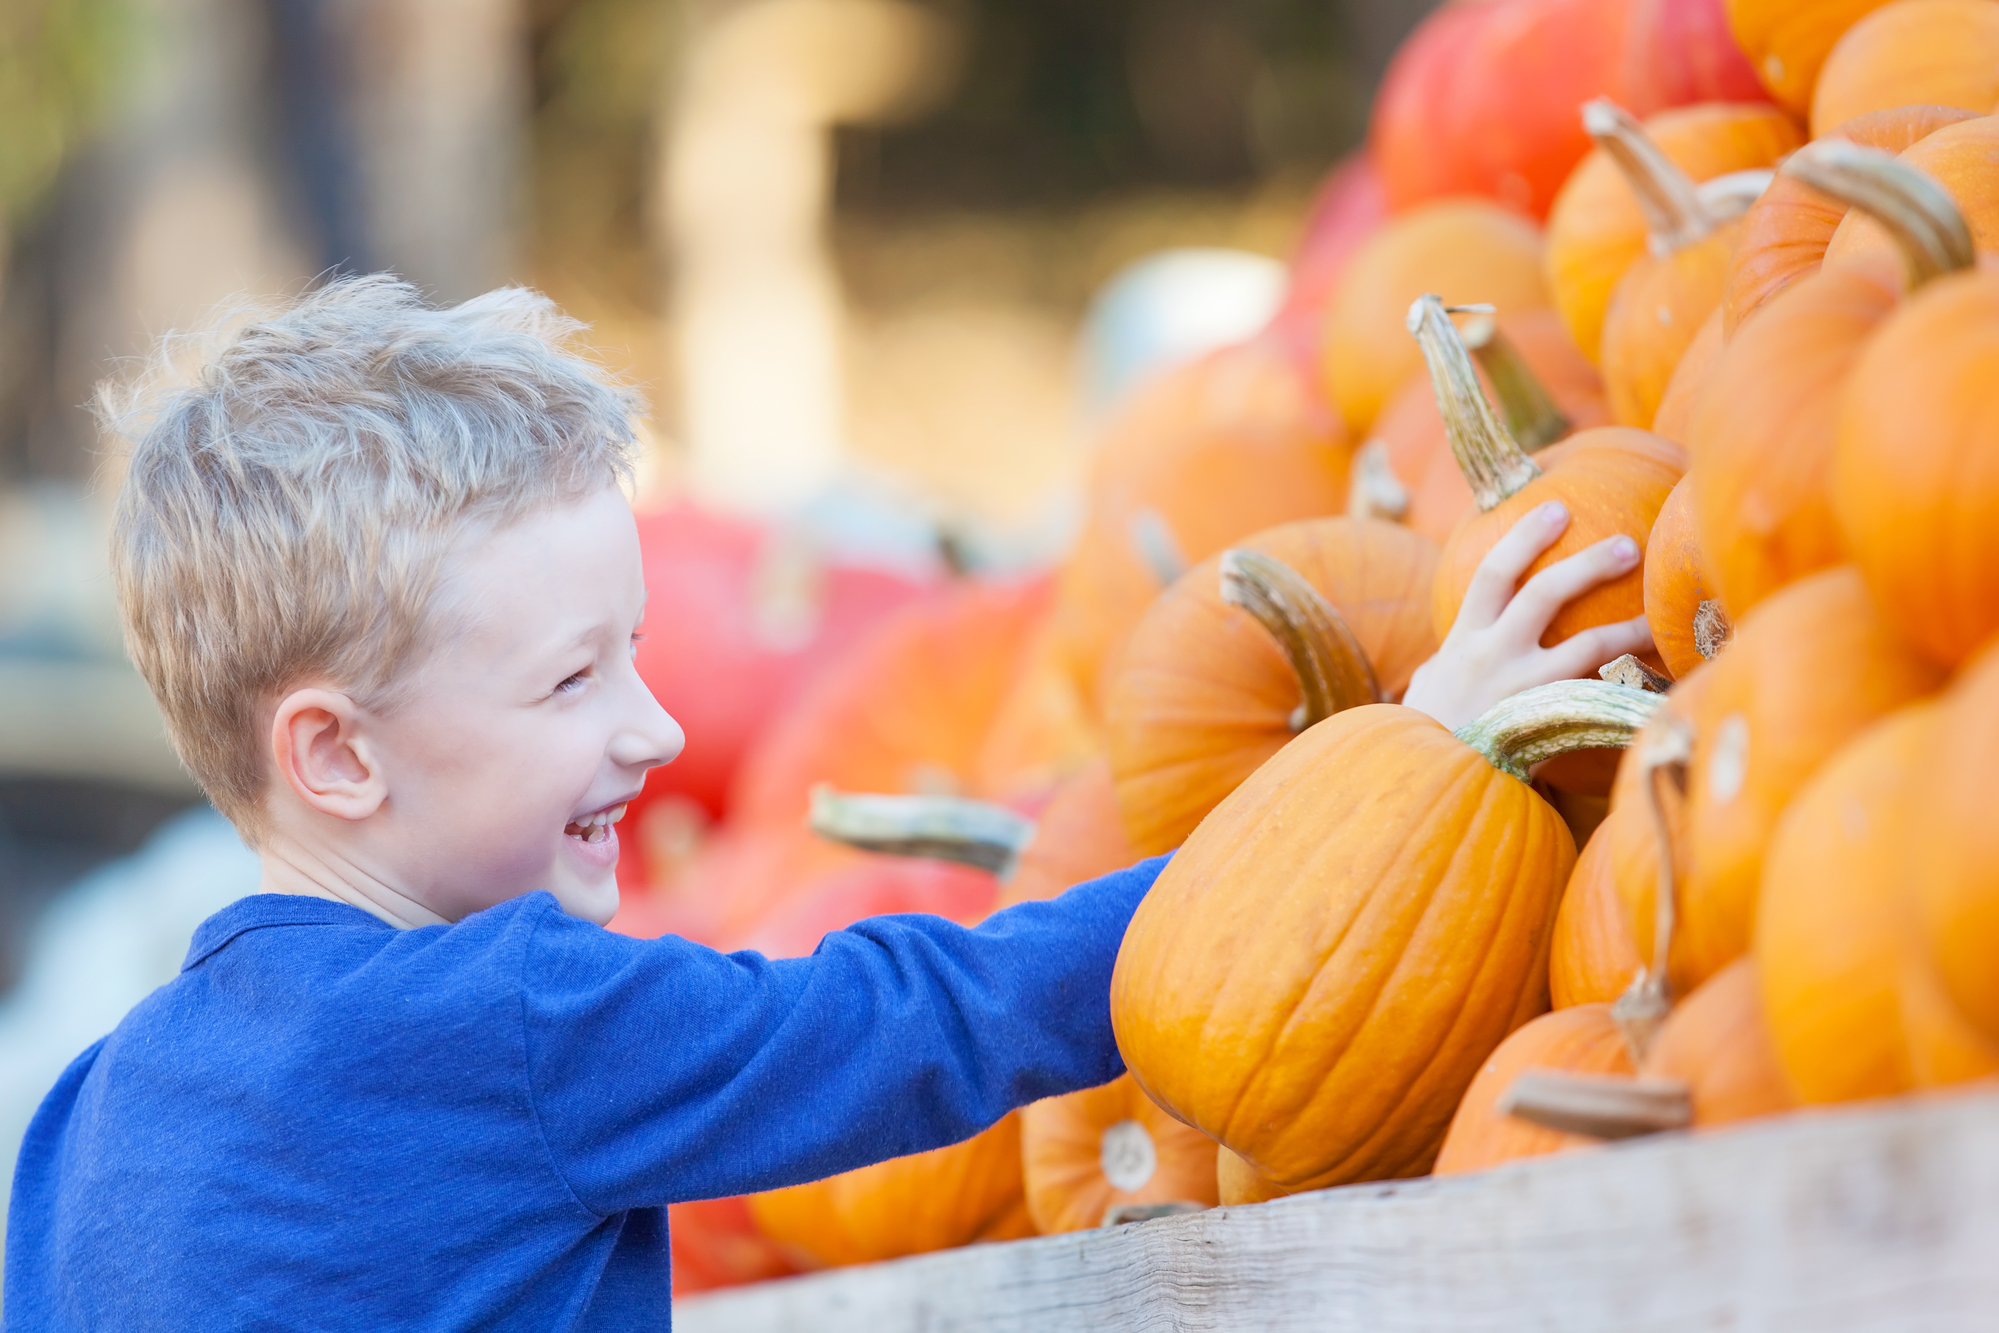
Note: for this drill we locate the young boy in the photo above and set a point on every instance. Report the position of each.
(376, 566)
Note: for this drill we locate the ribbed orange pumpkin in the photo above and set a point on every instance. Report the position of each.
(1633, 831)
(1788, 40)
(1239, 1182)
(1915, 477)
(1677, 586)
(1581, 1039)
(1462, 249)
(1419, 449)
(1717, 1042)
(1592, 959)
(1911, 53)
(1091, 1151)
(1809, 668)
(1674, 418)
(1323, 967)
(937, 1200)
(1203, 455)
(1785, 233)
(1957, 157)
(1957, 872)
(1598, 229)
(1205, 695)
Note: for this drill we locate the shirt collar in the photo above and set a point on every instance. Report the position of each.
(271, 909)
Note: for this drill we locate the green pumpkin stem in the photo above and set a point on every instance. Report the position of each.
(1532, 415)
(1925, 222)
(1490, 458)
(1675, 216)
(1549, 720)
(1332, 668)
(942, 828)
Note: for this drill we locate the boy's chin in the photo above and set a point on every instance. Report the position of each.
(596, 901)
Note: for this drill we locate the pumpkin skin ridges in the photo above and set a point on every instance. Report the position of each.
(1203, 696)
(1786, 232)
(1061, 1153)
(1582, 1039)
(1591, 959)
(1913, 52)
(1203, 1014)
(1959, 158)
(1787, 41)
(1808, 669)
(1913, 486)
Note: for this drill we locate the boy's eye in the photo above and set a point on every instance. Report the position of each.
(572, 682)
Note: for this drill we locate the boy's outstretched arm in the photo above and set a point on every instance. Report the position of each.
(661, 1070)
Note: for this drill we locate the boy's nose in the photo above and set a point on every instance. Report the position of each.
(650, 736)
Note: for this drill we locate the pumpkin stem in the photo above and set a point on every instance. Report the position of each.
(1675, 216)
(1712, 628)
(1375, 491)
(1631, 670)
(1603, 1106)
(1641, 1011)
(942, 828)
(1532, 415)
(1158, 549)
(1490, 458)
(1535, 725)
(1729, 196)
(1332, 669)
(1910, 204)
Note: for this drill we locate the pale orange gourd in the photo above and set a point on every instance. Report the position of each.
(1915, 479)
(1787, 41)
(1785, 233)
(1321, 970)
(1598, 228)
(1717, 1042)
(1911, 53)
(1592, 959)
(1205, 694)
(1088, 1152)
(1466, 250)
(1677, 587)
(1582, 1039)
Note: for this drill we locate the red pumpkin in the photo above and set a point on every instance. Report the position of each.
(716, 1243)
(1349, 205)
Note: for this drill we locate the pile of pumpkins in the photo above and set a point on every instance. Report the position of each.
(1713, 275)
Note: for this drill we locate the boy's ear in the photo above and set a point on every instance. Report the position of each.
(320, 754)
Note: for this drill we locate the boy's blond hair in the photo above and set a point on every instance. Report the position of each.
(286, 515)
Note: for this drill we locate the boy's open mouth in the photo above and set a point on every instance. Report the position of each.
(597, 827)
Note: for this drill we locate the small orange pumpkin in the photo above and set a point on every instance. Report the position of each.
(1676, 405)
(1592, 959)
(1911, 53)
(1633, 827)
(1321, 970)
(1465, 249)
(1206, 693)
(1580, 1039)
(1688, 624)
(1717, 1043)
(1785, 233)
(1090, 1151)
(1787, 41)
(1598, 228)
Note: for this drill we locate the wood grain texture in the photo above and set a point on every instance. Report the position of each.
(1869, 1217)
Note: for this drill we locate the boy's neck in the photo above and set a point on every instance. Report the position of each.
(291, 867)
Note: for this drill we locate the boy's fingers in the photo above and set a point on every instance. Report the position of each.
(1549, 591)
(1499, 573)
(1581, 654)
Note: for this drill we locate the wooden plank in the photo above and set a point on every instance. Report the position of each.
(1873, 1217)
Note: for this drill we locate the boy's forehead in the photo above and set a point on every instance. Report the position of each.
(550, 580)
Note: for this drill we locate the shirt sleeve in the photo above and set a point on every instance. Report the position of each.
(663, 1071)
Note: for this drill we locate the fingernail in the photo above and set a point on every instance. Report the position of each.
(1552, 512)
(1624, 549)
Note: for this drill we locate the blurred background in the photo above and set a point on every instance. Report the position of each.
(878, 265)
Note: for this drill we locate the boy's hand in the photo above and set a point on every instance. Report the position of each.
(1494, 650)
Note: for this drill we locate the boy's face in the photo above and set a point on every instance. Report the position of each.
(523, 736)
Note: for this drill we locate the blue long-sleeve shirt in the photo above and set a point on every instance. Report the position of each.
(327, 1123)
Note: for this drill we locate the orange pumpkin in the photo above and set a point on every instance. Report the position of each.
(1206, 694)
(1633, 827)
(716, 1244)
(1952, 838)
(1321, 970)
(1043, 731)
(1091, 1151)
(1688, 625)
(1542, 385)
(1239, 1182)
(937, 1200)
(1915, 484)
(1764, 431)
(1612, 479)
(1808, 669)
(1598, 227)
(1788, 40)
(1785, 233)
(1959, 158)
(1463, 249)
(1204, 454)
(1581, 1039)
(1077, 837)
(1676, 406)
(1912, 53)
(1717, 1043)
(1592, 959)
